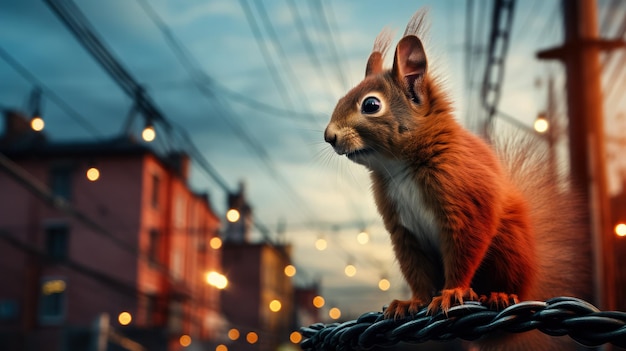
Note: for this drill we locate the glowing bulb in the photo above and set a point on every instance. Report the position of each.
(252, 337)
(232, 215)
(275, 306)
(184, 340)
(290, 270)
(93, 174)
(148, 134)
(384, 284)
(217, 280)
(295, 337)
(620, 229)
(363, 238)
(124, 318)
(334, 313)
(37, 124)
(541, 125)
(215, 243)
(350, 270)
(318, 301)
(233, 334)
(321, 244)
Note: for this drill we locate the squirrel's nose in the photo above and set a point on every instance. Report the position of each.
(330, 137)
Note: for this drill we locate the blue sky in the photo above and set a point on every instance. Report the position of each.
(326, 195)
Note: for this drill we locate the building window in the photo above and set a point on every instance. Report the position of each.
(57, 241)
(154, 198)
(61, 182)
(52, 300)
(154, 245)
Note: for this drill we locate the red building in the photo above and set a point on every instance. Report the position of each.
(135, 240)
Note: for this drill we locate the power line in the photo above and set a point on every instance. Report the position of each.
(83, 122)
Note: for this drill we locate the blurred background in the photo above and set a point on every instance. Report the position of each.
(164, 183)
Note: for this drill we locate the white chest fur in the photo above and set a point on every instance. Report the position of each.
(408, 199)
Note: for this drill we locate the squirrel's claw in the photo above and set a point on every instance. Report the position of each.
(449, 298)
(399, 309)
(499, 301)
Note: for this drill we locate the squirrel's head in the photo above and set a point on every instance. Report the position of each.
(373, 119)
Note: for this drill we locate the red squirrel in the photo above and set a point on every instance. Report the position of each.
(466, 222)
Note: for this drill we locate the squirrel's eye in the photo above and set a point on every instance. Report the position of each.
(370, 105)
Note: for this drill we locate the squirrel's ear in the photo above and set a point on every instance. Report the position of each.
(374, 63)
(409, 65)
(381, 44)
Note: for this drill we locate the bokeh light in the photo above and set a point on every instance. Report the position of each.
(124, 318)
(334, 313)
(232, 215)
(318, 301)
(290, 270)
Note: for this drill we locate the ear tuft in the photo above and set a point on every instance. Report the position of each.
(381, 45)
(418, 25)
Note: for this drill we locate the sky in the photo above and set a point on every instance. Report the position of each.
(254, 89)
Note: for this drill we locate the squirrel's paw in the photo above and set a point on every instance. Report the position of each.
(499, 301)
(449, 298)
(399, 309)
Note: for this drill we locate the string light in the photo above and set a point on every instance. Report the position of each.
(350, 270)
(124, 318)
(290, 270)
(295, 337)
(384, 284)
(541, 124)
(620, 229)
(217, 280)
(321, 244)
(363, 237)
(232, 215)
(93, 174)
(148, 134)
(184, 340)
(334, 313)
(37, 124)
(252, 337)
(233, 334)
(318, 301)
(275, 305)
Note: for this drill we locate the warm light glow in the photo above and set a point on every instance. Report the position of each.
(334, 313)
(384, 284)
(217, 280)
(350, 270)
(321, 244)
(93, 174)
(215, 243)
(53, 287)
(124, 318)
(148, 134)
(233, 334)
(185, 340)
(252, 337)
(275, 305)
(290, 270)
(232, 215)
(363, 238)
(541, 124)
(37, 124)
(221, 347)
(620, 229)
(295, 337)
(318, 301)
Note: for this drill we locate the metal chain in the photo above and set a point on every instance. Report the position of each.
(559, 316)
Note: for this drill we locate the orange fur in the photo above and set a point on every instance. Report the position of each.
(461, 222)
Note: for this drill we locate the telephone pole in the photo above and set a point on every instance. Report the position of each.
(587, 154)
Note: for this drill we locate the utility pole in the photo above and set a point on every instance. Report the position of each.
(580, 54)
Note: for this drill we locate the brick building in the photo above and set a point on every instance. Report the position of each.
(71, 250)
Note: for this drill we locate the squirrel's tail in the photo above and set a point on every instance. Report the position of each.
(562, 243)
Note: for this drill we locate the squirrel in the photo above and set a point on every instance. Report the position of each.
(467, 220)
